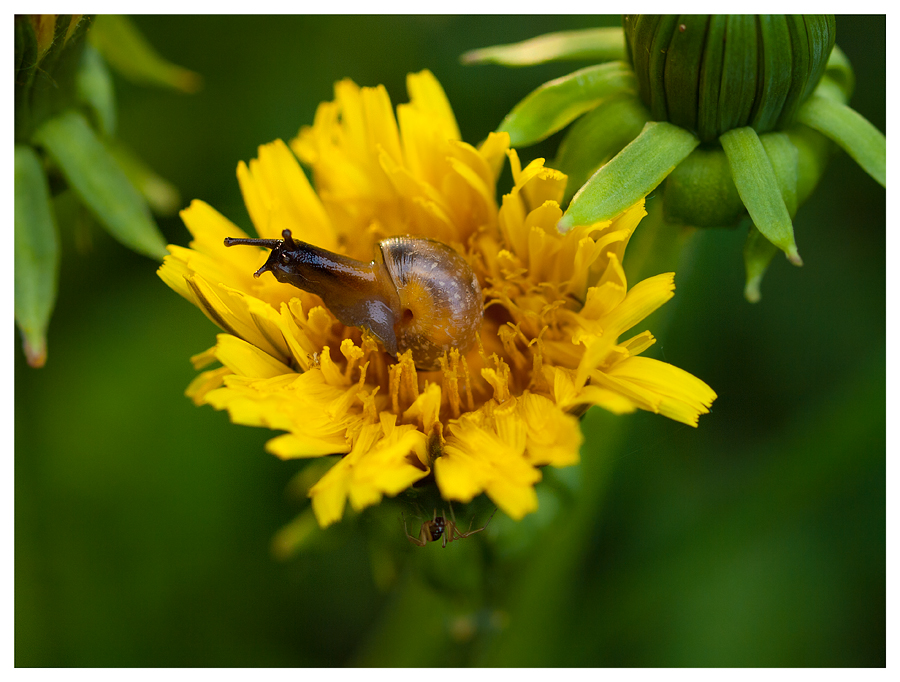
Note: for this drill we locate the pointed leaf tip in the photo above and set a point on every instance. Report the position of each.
(35, 351)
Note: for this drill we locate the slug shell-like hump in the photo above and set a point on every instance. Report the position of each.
(440, 299)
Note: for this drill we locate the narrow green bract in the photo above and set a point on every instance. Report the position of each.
(100, 183)
(556, 104)
(95, 88)
(757, 184)
(597, 137)
(36, 253)
(594, 44)
(631, 175)
(127, 51)
(853, 133)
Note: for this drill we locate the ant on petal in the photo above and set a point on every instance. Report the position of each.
(440, 527)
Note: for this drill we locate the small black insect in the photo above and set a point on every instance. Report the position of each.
(440, 527)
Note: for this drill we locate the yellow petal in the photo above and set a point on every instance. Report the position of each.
(379, 464)
(475, 459)
(302, 445)
(278, 197)
(427, 95)
(642, 299)
(682, 396)
(553, 437)
(246, 359)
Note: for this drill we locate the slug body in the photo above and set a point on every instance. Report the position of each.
(416, 294)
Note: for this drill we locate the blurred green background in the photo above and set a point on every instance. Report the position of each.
(143, 525)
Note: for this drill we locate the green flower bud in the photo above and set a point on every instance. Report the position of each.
(729, 115)
(713, 73)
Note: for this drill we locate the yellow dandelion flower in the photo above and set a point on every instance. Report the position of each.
(483, 420)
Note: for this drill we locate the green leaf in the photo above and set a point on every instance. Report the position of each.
(853, 133)
(597, 137)
(36, 254)
(594, 44)
(128, 52)
(758, 186)
(95, 89)
(100, 183)
(631, 175)
(557, 103)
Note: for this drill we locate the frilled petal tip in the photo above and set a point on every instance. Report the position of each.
(385, 460)
(499, 454)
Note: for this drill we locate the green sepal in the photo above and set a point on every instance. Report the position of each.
(597, 137)
(26, 61)
(799, 42)
(162, 196)
(95, 89)
(631, 175)
(594, 44)
(853, 133)
(46, 85)
(738, 89)
(656, 66)
(641, 31)
(711, 79)
(26, 52)
(700, 192)
(820, 32)
(683, 69)
(774, 80)
(36, 254)
(758, 253)
(48, 59)
(128, 52)
(557, 103)
(756, 182)
(98, 180)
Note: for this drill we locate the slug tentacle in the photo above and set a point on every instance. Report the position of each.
(416, 294)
